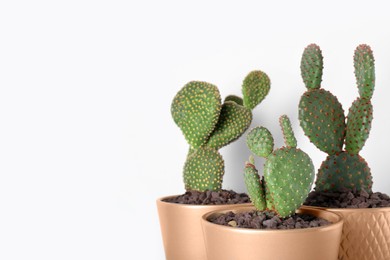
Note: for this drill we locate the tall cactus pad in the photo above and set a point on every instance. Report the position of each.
(233, 121)
(255, 88)
(343, 170)
(235, 99)
(288, 133)
(364, 70)
(255, 187)
(195, 109)
(322, 119)
(260, 141)
(289, 174)
(312, 66)
(204, 170)
(358, 125)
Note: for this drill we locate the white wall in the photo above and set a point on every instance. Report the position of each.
(87, 143)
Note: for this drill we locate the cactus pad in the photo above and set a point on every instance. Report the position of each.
(289, 138)
(255, 187)
(235, 99)
(312, 66)
(204, 170)
(233, 121)
(260, 141)
(289, 173)
(343, 170)
(195, 109)
(255, 88)
(364, 70)
(358, 125)
(322, 119)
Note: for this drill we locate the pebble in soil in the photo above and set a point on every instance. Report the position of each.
(347, 198)
(210, 198)
(267, 220)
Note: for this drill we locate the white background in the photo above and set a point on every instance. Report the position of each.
(87, 143)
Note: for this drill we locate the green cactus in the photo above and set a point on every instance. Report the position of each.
(208, 125)
(204, 170)
(255, 88)
(344, 170)
(323, 121)
(236, 99)
(364, 70)
(311, 66)
(195, 109)
(288, 172)
(233, 122)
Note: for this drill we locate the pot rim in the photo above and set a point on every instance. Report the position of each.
(334, 225)
(348, 209)
(160, 200)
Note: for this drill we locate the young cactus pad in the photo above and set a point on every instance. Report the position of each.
(288, 172)
(255, 88)
(208, 125)
(323, 121)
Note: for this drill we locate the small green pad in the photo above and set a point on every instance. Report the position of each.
(235, 99)
(364, 70)
(288, 133)
(255, 88)
(195, 109)
(312, 66)
(289, 174)
(233, 121)
(260, 141)
(255, 187)
(322, 119)
(204, 170)
(358, 125)
(344, 170)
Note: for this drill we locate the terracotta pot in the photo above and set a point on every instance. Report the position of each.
(228, 243)
(182, 230)
(366, 233)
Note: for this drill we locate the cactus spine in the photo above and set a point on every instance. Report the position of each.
(208, 124)
(323, 121)
(288, 172)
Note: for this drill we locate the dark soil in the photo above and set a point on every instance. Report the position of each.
(267, 220)
(210, 198)
(348, 199)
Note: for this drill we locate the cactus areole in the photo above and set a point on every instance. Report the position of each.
(208, 125)
(322, 119)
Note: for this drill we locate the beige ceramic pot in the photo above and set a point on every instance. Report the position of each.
(366, 233)
(228, 243)
(182, 230)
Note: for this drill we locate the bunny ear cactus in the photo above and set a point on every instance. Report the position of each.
(322, 120)
(320, 113)
(255, 88)
(208, 125)
(288, 172)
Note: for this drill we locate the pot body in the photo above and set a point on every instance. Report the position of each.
(228, 243)
(182, 230)
(366, 233)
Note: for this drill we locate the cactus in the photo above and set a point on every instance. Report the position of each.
(323, 121)
(288, 172)
(208, 125)
(255, 88)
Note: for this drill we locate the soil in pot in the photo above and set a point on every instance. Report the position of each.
(210, 198)
(348, 198)
(267, 220)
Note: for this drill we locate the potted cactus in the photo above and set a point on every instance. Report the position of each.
(344, 181)
(207, 126)
(275, 228)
